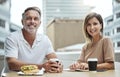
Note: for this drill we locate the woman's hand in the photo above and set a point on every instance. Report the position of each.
(77, 65)
(74, 66)
(83, 66)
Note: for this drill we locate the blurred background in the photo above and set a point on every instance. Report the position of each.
(62, 21)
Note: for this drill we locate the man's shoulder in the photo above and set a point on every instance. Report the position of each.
(14, 34)
(42, 35)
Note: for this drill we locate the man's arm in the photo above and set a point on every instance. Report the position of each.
(15, 64)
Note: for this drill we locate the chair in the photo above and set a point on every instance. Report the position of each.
(5, 69)
(117, 65)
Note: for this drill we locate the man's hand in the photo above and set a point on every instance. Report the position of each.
(53, 67)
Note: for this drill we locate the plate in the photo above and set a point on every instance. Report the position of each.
(77, 70)
(81, 70)
(41, 72)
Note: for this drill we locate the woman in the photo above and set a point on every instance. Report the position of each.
(97, 46)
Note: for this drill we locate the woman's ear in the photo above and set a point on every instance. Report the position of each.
(101, 26)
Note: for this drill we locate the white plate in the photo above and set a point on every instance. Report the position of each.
(41, 72)
(81, 70)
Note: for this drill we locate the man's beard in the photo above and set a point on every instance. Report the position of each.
(30, 30)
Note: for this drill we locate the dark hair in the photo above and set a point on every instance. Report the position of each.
(31, 8)
(88, 17)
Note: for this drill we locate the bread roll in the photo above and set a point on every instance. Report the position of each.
(29, 69)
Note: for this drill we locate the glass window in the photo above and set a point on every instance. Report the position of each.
(113, 31)
(1, 45)
(113, 44)
(118, 15)
(118, 44)
(2, 23)
(118, 29)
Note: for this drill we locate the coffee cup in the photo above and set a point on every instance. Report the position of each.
(54, 60)
(92, 64)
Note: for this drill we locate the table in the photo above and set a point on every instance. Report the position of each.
(66, 73)
(110, 73)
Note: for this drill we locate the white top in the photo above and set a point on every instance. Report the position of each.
(16, 46)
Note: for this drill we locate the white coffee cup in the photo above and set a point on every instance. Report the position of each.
(54, 60)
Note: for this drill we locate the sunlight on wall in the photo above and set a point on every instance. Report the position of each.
(104, 7)
(17, 8)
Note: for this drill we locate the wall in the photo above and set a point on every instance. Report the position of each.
(63, 32)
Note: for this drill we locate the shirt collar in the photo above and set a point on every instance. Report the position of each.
(38, 36)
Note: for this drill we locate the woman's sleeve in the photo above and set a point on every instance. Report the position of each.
(108, 50)
(82, 55)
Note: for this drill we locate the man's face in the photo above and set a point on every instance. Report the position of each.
(31, 21)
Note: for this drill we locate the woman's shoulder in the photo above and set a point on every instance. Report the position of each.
(106, 40)
(85, 46)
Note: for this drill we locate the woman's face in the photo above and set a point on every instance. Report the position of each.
(93, 27)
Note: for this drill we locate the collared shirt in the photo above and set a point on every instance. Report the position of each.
(16, 46)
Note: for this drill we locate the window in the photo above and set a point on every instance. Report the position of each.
(107, 34)
(118, 29)
(113, 31)
(118, 15)
(113, 44)
(109, 21)
(2, 1)
(2, 23)
(1, 45)
(118, 44)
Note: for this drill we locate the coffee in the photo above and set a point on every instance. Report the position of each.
(92, 64)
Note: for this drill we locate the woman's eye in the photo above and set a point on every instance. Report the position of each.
(88, 24)
(95, 23)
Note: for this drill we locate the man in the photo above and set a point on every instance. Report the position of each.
(26, 47)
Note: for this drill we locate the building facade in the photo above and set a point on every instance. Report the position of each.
(63, 9)
(112, 23)
(5, 25)
(4, 21)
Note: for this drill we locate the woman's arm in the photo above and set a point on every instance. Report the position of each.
(107, 66)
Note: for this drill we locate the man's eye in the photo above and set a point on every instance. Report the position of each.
(36, 18)
(28, 18)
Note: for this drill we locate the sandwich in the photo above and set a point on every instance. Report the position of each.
(29, 69)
